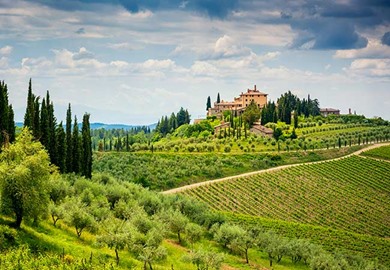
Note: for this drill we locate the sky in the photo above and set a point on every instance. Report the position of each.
(132, 61)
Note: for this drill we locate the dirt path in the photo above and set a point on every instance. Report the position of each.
(176, 190)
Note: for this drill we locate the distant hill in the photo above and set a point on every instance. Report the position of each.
(119, 126)
(108, 126)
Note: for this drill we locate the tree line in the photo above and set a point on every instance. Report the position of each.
(70, 149)
(7, 122)
(285, 105)
(169, 124)
(119, 139)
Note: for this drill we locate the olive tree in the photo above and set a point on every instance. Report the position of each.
(116, 234)
(24, 175)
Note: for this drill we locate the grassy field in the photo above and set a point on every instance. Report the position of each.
(349, 196)
(161, 171)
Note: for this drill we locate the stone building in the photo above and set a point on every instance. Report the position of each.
(239, 104)
(327, 111)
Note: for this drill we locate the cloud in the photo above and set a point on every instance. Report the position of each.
(374, 49)
(6, 50)
(80, 31)
(211, 8)
(340, 37)
(386, 39)
(3, 62)
(370, 68)
(226, 47)
(332, 25)
(124, 46)
(83, 54)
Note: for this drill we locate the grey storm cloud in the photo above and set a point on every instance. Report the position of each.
(212, 8)
(386, 39)
(80, 31)
(328, 25)
(324, 25)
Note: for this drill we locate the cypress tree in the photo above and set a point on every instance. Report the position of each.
(11, 124)
(172, 122)
(69, 142)
(208, 104)
(218, 98)
(51, 128)
(7, 123)
(3, 114)
(36, 118)
(87, 148)
(187, 117)
(296, 119)
(181, 117)
(76, 147)
(28, 116)
(61, 147)
(44, 126)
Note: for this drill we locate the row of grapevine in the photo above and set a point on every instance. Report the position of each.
(351, 194)
(380, 152)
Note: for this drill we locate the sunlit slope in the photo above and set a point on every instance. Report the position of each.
(350, 194)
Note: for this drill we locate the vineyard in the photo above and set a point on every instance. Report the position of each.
(331, 239)
(161, 171)
(350, 194)
(380, 152)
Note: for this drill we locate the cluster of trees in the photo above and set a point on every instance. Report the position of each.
(69, 149)
(238, 240)
(168, 125)
(285, 105)
(7, 122)
(119, 139)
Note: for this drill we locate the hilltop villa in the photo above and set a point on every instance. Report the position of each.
(240, 103)
(328, 111)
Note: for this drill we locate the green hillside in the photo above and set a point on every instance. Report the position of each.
(351, 194)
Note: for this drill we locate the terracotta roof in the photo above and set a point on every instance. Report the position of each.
(329, 110)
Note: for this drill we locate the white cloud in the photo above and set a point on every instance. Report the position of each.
(158, 64)
(227, 47)
(83, 54)
(3, 62)
(6, 50)
(374, 49)
(370, 67)
(202, 68)
(124, 46)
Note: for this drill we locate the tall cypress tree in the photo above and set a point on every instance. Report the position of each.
(76, 147)
(7, 123)
(187, 117)
(3, 113)
(69, 141)
(11, 124)
(36, 118)
(181, 117)
(51, 129)
(44, 126)
(61, 147)
(218, 98)
(86, 162)
(208, 103)
(29, 115)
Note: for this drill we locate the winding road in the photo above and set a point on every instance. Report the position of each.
(179, 189)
